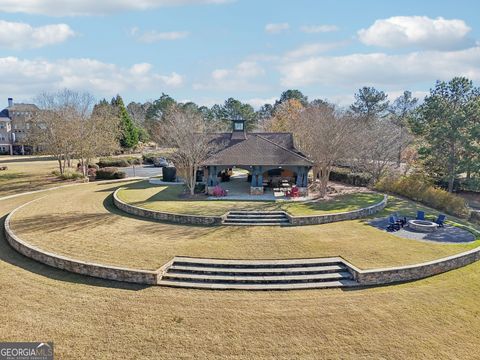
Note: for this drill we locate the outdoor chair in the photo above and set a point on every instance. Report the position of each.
(441, 220)
(393, 225)
(399, 220)
(420, 215)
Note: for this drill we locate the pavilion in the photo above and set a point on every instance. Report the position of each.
(270, 158)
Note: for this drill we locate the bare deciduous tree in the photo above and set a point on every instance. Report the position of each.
(187, 133)
(376, 147)
(66, 128)
(324, 134)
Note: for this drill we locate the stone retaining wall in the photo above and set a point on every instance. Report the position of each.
(76, 266)
(329, 218)
(414, 272)
(164, 216)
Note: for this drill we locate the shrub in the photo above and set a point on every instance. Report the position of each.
(68, 175)
(199, 188)
(418, 189)
(347, 176)
(109, 173)
(119, 162)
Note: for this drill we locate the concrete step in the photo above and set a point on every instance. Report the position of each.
(257, 271)
(256, 264)
(256, 216)
(257, 220)
(233, 223)
(256, 213)
(288, 286)
(267, 279)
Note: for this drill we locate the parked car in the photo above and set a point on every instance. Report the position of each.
(161, 162)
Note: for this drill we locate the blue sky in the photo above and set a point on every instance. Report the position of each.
(209, 50)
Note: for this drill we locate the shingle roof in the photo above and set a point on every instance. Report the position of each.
(257, 149)
(23, 107)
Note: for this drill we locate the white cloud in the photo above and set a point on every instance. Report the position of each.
(313, 49)
(382, 69)
(312, 29)
(419, 31)
(242, 76)
(18, 35)
(276, 28)
(91, 7)
(30, 77)
(259, 102)
(155, 36)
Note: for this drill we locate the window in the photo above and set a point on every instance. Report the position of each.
(239, 126)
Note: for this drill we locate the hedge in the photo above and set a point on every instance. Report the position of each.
(119, 162)
(347, 176)
(109, 173)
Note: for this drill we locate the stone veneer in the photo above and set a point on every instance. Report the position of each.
(370, 277)
(76, 266)
(164, 216)
(217, 220)
(413, 272)
(328, 218)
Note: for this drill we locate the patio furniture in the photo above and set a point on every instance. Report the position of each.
(392, 224)
(399, 220)
(440, 221)
(420, 215)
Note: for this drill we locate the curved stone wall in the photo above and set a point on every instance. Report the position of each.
(217, 220)
(164, 216)
(414, 272)
(76, 266)
(329, 218)
(382, 276)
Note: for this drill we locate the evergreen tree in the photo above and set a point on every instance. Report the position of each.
(446, 121)
(370, 104)
(129, 137)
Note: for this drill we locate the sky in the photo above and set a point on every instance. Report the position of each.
(209, 50)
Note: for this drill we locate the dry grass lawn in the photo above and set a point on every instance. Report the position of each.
(436, 318)
(27, 173)
(82, 223)
(168, 199)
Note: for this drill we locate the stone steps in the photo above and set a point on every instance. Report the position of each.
(252, 218)
(257, 274)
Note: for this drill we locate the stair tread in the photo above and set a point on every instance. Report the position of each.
(260, 262)
(256, 212)
(328, 276)
(298, 286)
(255, 224)
(257, 216)
(259, 270)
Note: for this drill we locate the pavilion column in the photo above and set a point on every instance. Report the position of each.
(299, 176)
(260, 177)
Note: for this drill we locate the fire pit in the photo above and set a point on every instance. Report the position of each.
(422, 225)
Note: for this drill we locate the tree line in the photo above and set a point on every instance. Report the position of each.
(440, 134)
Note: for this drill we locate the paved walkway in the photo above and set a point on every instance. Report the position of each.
(142, 171)
(448, 234)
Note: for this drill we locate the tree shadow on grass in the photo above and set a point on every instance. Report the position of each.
(153, 228)
(10, 256)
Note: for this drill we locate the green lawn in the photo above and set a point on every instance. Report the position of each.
(168, 199)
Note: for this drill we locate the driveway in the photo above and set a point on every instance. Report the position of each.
(142, 170)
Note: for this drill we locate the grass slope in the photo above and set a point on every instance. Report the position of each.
(81, 222)
(436, 318)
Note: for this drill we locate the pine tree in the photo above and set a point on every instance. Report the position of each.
(129, 137)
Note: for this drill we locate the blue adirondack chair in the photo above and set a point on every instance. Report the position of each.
(393, 225)
(441, 220)
(420, 215)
